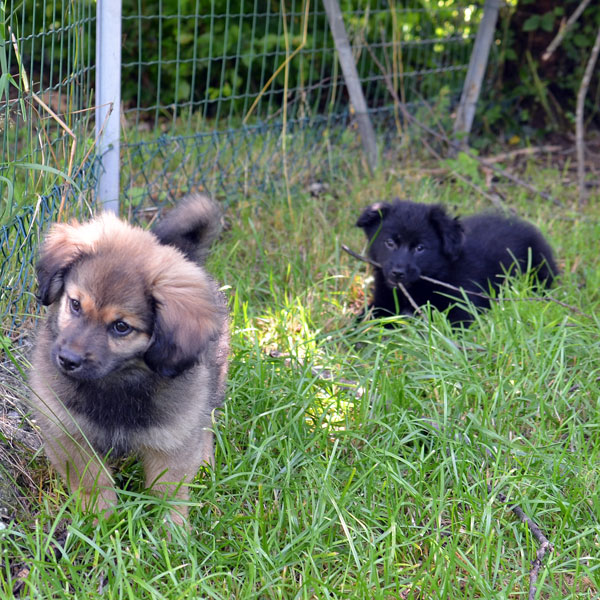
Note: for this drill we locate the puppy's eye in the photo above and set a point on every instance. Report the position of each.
(419, 248)
(121, 328)
(390, 244)
(75, 306)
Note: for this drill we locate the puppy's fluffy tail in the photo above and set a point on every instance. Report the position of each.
(191, 226)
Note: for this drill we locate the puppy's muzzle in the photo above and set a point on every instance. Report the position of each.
(405, 274)
(398, 274)
(69, 362)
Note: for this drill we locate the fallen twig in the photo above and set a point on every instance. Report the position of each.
(545, 544)
(411, 301)
(521, 152)
(495, 200)
(360, 256)
(492, 299)
(579, 133)
(470, 292)
(483, 162)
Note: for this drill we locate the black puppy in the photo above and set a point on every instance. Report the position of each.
(408, 240)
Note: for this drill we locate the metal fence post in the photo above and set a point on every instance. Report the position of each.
(476, 70)
(108, 101)
(357, 98)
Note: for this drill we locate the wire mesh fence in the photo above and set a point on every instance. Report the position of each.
(229, 96)
(239, 73)
(46, 91)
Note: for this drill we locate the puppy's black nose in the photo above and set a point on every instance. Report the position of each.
(398, 274)
(69, 361)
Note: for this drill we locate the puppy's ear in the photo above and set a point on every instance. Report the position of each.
(189, 314)
(63, 245)
(66, 243)
(450, 230)
(373, 214)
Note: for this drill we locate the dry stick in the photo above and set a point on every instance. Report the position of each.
(411, 301)
(483, 162)
(545, 544)
(471, 293)
(496, 201)
(454, 145)
(493, 199)
(548, 149)
(555, 43)
(360, 256)
(523, 152)
(579, 134)
(534, 299)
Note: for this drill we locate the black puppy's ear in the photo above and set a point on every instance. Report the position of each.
(373, 214)
(450, 230)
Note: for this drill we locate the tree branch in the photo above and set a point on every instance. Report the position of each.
(579, 133)
(555, 43)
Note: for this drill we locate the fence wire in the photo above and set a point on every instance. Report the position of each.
(222, 95)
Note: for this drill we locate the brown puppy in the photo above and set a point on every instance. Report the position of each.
(132, 356)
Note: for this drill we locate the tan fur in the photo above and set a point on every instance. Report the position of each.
(101, 277)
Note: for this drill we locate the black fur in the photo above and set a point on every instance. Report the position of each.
(51, 277)
(191, 227)
(408, 240)
(166, 357)
(126, 404)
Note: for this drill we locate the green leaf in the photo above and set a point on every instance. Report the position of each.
(532, 23)
(581, 40)
(547, 21)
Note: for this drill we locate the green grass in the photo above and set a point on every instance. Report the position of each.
(373, 483)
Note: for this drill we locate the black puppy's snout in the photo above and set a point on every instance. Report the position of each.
(69, 361)
(398, 274)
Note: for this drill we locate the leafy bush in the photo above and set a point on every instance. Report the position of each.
(528, 96)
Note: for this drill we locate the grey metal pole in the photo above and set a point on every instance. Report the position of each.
(476, 70)
(108, 101)
(357, 98)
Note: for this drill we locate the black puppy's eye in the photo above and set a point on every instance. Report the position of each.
(419, 248)
(75, 306)
(121, 328)
(390, 244)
